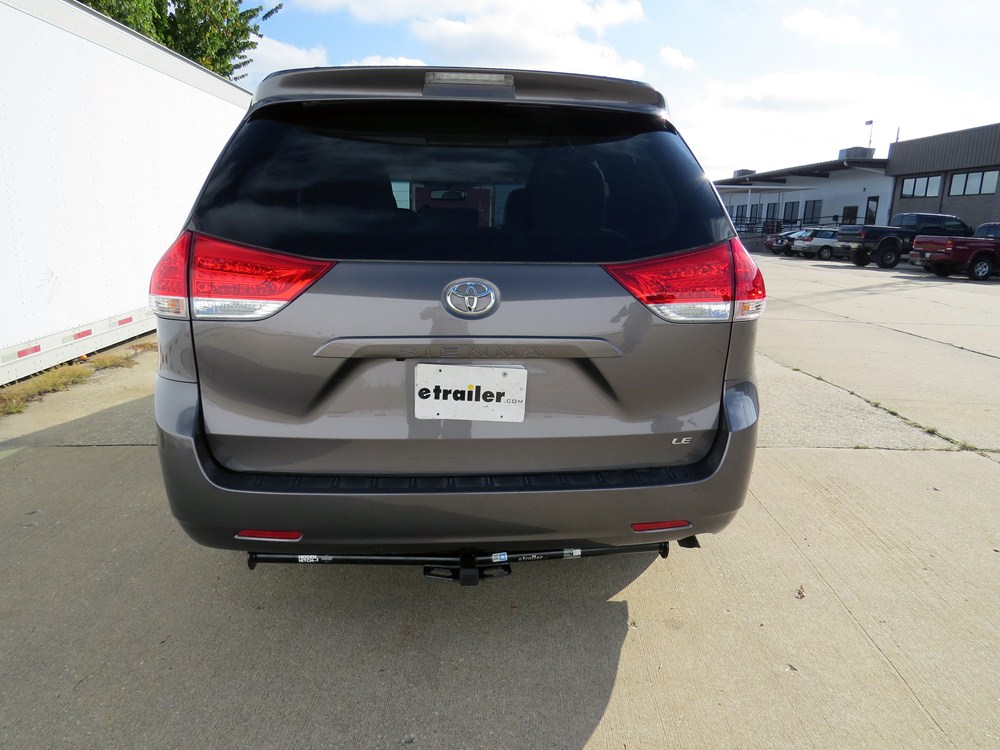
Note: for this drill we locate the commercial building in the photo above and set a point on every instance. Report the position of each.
(850, 189)
(952, 173)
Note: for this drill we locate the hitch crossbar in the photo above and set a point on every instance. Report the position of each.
(465, 569)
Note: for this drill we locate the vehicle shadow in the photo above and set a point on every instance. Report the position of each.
(529, 661)
(127, 633)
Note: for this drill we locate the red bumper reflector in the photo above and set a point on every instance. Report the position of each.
(270, 536)
(660, 525)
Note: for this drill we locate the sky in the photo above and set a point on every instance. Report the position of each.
(750, 84)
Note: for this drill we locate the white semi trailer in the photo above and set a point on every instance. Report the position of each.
(105, 139)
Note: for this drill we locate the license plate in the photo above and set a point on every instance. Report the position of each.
(475, 393)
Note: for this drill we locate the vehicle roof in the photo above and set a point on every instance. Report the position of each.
(465, 84)
(923, 213)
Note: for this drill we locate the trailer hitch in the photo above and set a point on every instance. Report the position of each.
(465, 569)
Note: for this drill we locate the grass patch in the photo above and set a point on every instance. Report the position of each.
(13, 398)
(108, 361)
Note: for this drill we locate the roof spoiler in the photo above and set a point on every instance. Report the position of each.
(469, 84)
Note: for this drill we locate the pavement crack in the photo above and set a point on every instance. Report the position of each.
(937, 341)
(960, 445)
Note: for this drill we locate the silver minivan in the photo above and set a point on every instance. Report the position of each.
(455, 318)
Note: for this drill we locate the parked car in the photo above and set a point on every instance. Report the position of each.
(977, 256)
(455, 318)
(890, 244)
(770, 239)
(815, 242)
(782, 243)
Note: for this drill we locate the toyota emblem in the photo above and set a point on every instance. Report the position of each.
(470, 298)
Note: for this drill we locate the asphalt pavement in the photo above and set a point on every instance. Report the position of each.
(854, 602)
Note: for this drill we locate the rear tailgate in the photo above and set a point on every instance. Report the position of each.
(327, 385)
(409, 200)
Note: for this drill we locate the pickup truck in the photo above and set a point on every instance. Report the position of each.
(887, 245)
(978, 256)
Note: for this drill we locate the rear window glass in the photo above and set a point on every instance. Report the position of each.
(456, 182)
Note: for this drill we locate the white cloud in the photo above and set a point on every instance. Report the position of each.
(545, 14)
(272, 55)
(811, 91)
(677, 59)
(823, 28)
(502, 41)
(542, 34)
(786, 119)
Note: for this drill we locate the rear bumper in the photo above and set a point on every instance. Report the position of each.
(926, 259)
(461, 513)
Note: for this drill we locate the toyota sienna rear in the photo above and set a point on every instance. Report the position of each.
(456, 318)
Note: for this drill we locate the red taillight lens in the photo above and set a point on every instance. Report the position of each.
(233, 281)
(168, 287)
(696, 286)
(693, 286)
(751, 296)
(227, 280)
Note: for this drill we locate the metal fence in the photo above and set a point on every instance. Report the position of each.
(756, 225)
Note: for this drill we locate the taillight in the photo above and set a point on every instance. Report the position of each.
(751, 296)
(698, 286)
(229, 281)
(168, 287)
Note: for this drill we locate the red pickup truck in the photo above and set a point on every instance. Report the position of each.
(978, 256)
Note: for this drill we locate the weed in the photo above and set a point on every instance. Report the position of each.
(107, 361)
(14, 397)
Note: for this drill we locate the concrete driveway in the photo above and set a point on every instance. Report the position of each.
(854, 603)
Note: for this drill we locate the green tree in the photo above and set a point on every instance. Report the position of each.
(217, 34)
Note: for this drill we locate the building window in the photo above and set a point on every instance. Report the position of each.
(791, 214)
(871, 210)
(974, 183)
(812, 212)
(921, 187)
(772, 211)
